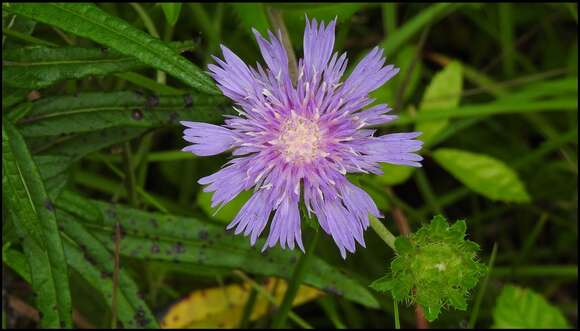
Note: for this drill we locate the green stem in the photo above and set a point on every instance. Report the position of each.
(130, 175)
(481, 292)
(248, 309)
(277, 23)
(426, 191)
(396, 309)
(297, 319)
(383, 232)
(294, 284)
(564, 271)
(149, 25)
(25, 37)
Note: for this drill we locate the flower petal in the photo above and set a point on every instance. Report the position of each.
(318, 45)
(285, 227)
(253, 216)
(207, 139)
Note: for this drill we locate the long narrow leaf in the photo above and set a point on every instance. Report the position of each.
(36, 67)
(32, 214)
(87, 20)
(188, 240)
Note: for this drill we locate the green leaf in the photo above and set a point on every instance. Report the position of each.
(383, 284)
(443, 92)
(94, 111)
(171, 11)
(79, 145)
(17, 262)
(92, 261)
(522, 308)
(252, 15)
(32, 214)
(87, 20)
(153, 236)
(483, 174)
(394, 174)
(227, 213)
(35, 67)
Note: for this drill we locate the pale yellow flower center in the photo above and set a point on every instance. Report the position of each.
(299, 139)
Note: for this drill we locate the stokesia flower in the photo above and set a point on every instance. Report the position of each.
(299, 140)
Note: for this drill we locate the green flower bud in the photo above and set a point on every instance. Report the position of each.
(434, 267)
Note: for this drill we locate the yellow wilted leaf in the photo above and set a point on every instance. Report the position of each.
(222, 307)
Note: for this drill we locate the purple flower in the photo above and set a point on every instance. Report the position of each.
(300, 140)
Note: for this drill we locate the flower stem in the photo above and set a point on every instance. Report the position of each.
(397, 320)
(383, 232)
(277, 23)
(294, 284)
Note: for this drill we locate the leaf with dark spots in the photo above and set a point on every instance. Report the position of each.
(137, 114)
(179, 242)
(155, 249)
(203, 235)
(99, 273)
(187, 100)
(95, 111)
(48, 205)
(152, 101)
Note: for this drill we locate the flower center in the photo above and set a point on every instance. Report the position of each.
(299, 139)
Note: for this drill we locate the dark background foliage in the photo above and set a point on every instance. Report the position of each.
(92, 96)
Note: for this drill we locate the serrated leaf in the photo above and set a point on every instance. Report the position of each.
(35, 67)
(444, 92)
(483, 174)
(522, 308)
(87, 20)
(383, 284)
(32, 214)
(403, 245)
(176, 239)
(93, 111)
(171, 11)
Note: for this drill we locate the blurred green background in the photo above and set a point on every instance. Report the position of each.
(492, 86)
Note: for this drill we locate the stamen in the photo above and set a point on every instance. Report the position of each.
(299, 139)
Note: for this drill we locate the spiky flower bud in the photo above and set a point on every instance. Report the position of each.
(434, 267)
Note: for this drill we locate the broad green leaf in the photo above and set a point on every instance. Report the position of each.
(87, 20)
(171, 11)
(153, 236)
(94, 111)
(388, 92)
(227, 213)
(32, 214)
(394, 174)
(444, 92)
(252, 15)
(483, 174)
(522, 308)
(35, 67)
(94, 263)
